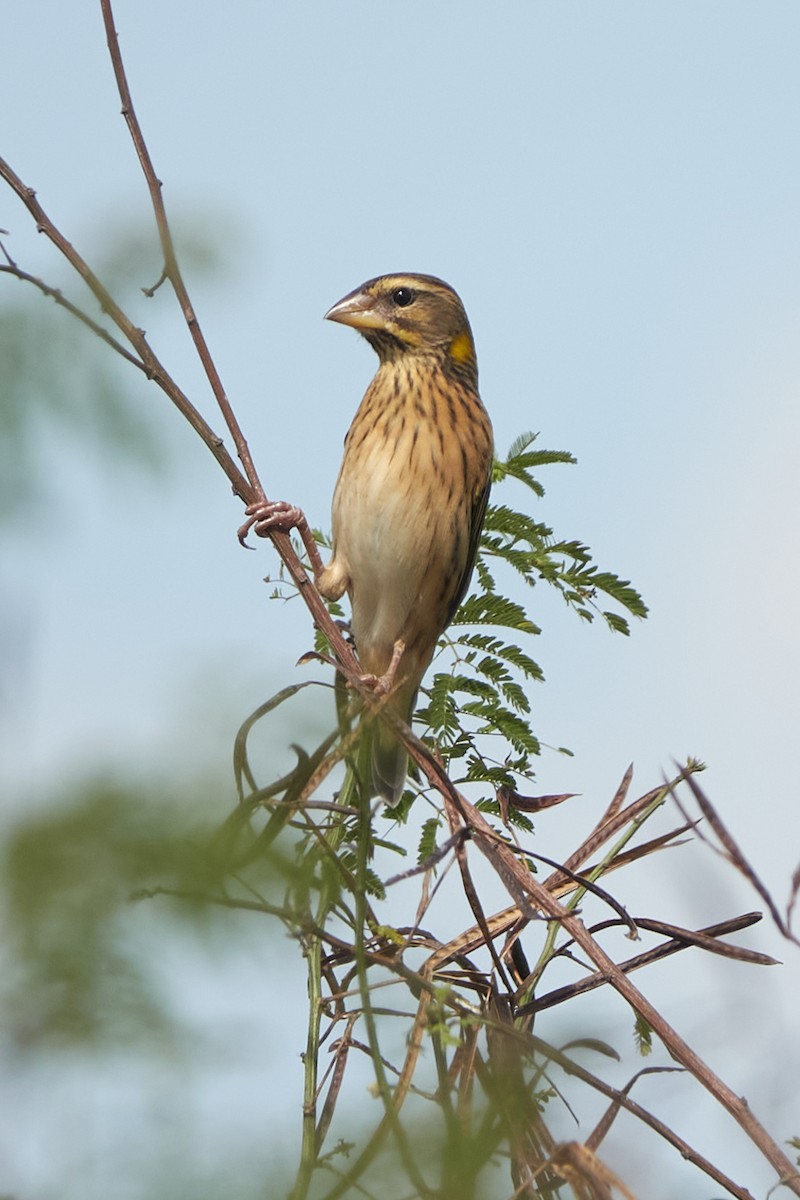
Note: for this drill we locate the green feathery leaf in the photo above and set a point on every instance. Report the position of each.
(427, 840)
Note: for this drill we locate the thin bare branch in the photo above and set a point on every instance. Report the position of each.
(171, 267)
(11, 268)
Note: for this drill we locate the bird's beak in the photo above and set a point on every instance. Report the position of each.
(356, 309)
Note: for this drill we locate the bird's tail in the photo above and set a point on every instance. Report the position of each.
(388, 760)
(389, 763)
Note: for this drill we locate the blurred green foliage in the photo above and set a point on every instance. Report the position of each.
(58, 379)
(77, 971)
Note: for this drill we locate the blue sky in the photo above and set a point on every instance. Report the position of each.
(613, 189)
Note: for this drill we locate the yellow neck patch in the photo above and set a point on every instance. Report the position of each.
(461, 348)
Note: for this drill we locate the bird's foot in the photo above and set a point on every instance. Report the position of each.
(269, 516)
(278, 516)
(383, 684)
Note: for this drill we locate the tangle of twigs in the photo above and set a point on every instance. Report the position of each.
(456, 998)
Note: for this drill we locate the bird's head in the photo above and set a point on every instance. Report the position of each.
(403, 315)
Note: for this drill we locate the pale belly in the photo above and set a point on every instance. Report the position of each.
(403, 545)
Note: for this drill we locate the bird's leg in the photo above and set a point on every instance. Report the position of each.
(381, 684)
(266, 516)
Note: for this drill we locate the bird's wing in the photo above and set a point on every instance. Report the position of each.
(476, 525)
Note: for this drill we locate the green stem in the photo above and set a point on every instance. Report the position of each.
(390, 1121)
(310, 1148)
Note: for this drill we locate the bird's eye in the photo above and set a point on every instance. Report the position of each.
(403, 296)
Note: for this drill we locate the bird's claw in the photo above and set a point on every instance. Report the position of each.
(381, 685)
(268, 516)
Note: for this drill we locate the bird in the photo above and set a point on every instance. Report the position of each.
(412, 491)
